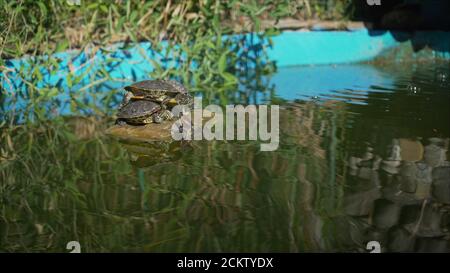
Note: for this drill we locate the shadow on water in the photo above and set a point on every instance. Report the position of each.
(362, 160)
(406, 20)
(404, 15)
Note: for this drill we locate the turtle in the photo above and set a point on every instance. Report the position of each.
(142, 112)
(161, 91)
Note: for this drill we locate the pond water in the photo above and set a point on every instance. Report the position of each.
(363, 156)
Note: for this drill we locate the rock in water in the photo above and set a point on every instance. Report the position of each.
(428, 223)
(408, 177)
(361, 203)
(145, 133)
(423, 180)
(410, 150)
(432, 245)
(434, 154)
(400, 240)
(441, 184)
(386, 214)
(153, 131)
(390, 164)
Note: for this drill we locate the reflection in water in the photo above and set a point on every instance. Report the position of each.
(398, 168)
(344, 174)
(406, 197)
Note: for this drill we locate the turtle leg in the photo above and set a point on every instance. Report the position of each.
(148, 120)
(121, 122)
(165, 101)
(157, 118)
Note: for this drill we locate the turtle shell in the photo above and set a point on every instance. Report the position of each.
(137, 109)
(156, 86)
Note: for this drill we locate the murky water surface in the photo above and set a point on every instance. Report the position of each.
(363, 157)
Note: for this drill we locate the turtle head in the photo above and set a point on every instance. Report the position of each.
(184, 99)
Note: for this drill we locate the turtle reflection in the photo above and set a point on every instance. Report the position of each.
(148, 154)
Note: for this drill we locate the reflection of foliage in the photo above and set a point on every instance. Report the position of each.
(213, 197)
(43, 171)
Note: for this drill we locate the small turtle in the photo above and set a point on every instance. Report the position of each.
(161, 91)
(142, 112)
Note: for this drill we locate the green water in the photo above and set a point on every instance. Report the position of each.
(355, 164)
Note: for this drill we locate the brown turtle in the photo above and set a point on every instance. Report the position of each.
(142, 112)
(161, 91)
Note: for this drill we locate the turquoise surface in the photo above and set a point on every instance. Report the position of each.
(290, 48)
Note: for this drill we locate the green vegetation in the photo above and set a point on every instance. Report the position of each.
(47, 26)
(69, 182)
(207, 61)
(61, 179)
(193, 29)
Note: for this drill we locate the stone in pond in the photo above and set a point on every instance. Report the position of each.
(365, 173)
(368, 155)
(386, 214)
(432, 245)
(441, 184)
(428, 223)
(376, 163)
(400, 240)
(395, 195)
(392, 162)
(149, 132)
(410, 150)
(434, 154)
(353, 163)
(145, 133)
(423, 180)
(407, 177)
(361, 203)
(390, 166)
(409, 214)
(395, 151)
